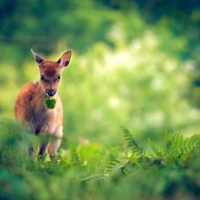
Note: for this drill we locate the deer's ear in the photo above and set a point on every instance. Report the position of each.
(38, 59)
(65, 59)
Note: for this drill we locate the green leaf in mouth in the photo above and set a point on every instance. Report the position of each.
(50, 103)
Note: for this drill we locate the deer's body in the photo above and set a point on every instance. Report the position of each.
(29, 105)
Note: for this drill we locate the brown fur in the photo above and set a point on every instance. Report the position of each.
(29, 107)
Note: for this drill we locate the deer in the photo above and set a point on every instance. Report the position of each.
(33, 106)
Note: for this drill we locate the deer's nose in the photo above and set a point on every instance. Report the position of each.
(51, 92)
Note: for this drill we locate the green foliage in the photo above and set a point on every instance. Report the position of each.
(136, 152)
(93, 169)
(177, 148)
(50, 103)
(70, 23)
(74, 158)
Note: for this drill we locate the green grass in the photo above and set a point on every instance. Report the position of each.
(94, 171)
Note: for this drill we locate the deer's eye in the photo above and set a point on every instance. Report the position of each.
(42, 77)
(59, 77)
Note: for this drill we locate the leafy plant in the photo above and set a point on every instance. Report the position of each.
(177, 148)
(92, 169)
(131, 144)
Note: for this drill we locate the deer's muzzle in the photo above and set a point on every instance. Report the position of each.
(51, 92)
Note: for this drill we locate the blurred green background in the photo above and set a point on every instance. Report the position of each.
(135, 64)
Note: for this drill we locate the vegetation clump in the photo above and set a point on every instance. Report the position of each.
(81, 171)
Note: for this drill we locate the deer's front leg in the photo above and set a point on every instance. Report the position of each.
(55, 142)
(53, 147)
(44, 140)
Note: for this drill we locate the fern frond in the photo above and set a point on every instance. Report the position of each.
(173, 142)
(74, 158)
(193, 140)
(178, 141)
(95, 177)
(180, 148)
(157, 151)
(167, 140)
(115, 165)
(132, 144)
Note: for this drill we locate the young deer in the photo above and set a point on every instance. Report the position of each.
(30, 108)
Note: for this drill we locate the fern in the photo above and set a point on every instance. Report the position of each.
(178, 148)
(131, 144)
(176, 141)
(158, 152)
(113, 166)
(95, 177)
(74, 158)
(193, 140)
(117, 165)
